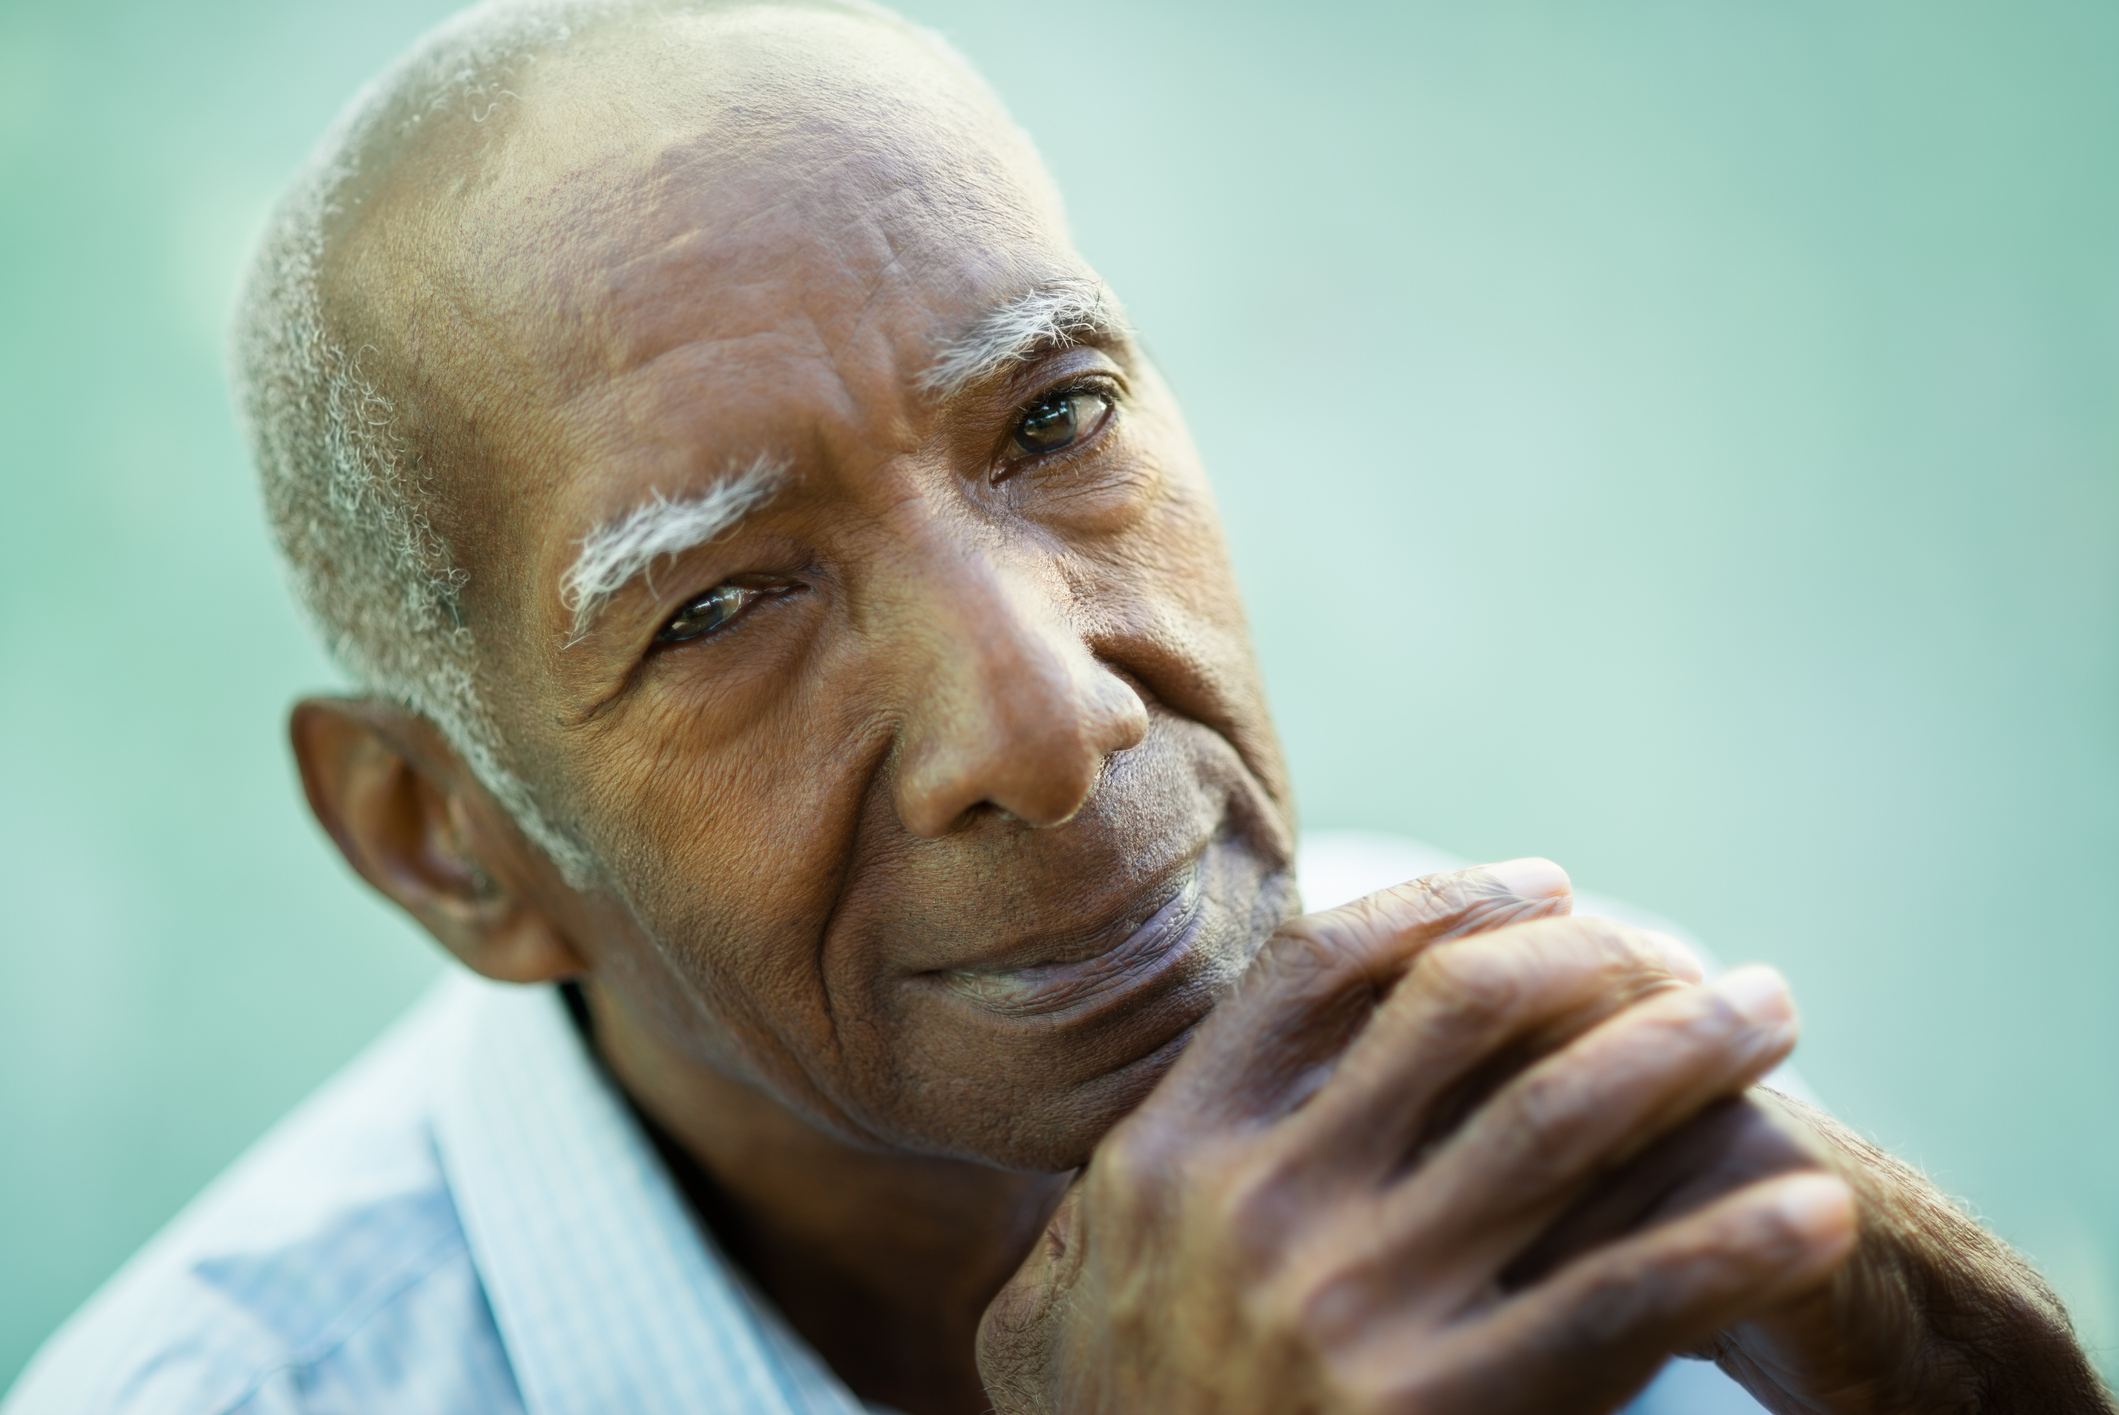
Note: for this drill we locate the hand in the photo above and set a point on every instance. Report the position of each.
(1326, 1205)
(1933, 1313)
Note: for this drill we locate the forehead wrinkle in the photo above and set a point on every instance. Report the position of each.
(625, 547)
(720, 286)
(1058, 314)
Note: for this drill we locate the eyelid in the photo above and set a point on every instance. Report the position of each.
(1104, 384)
(1098, 376)
(645, 646)
(755, 595)
(1093, 381)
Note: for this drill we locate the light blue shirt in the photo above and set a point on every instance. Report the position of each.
(470, 1218)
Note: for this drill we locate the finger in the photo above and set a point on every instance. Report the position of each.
(1728, 1146)
(1597, 1330)
(1378, 928)
(1536, 1148)
(1315, 982)
(1682, 959)
(1470, 1013)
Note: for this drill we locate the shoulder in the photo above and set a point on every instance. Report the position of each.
(327, 1270)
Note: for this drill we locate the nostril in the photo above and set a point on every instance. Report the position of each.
(1040, 785)
(1124, 712)
(1017, 734)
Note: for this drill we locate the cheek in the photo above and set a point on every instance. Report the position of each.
(711, 761)
(730, 846)
(1165, 595)
(1178, 546)
(1169, 612)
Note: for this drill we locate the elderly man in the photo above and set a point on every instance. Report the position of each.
(798, 653)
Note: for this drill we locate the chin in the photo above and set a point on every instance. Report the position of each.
(1027, 1067)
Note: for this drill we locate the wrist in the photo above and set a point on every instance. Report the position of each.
(1932, 1313)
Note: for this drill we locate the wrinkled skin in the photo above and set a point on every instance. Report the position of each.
(1392, 1222)
(918, 874)
(816, 816)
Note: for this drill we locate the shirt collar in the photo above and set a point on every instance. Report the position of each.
(607, 1294)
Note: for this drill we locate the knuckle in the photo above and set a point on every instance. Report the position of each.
(1369, 938)
(1281, 1308)
(1607, 946)
(1699, 1020)
(1455, 903)
(1313, 954)
(1135, 1165)
(1429, 900)
(1260, 1202)
(1619, 947)
(1473, 979)
(1763, 1239)
(1612, 1306)
(1545, 1110)
(1377, 932)
(1381, 921)
(1320, 1318)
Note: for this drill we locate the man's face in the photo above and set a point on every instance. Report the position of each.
(936, 796)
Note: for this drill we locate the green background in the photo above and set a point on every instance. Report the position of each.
(1676, 438)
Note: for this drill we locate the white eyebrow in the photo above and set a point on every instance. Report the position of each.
(1056, 315)
(620, 549)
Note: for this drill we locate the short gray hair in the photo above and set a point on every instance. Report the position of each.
(344, 487)
(345, 493)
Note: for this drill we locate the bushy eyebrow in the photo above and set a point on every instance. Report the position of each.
(1056, 315)
(625, 547)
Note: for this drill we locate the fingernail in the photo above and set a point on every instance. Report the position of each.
(1531, 878)
(1816, 1205)
(1678, 954)
(1758, 993)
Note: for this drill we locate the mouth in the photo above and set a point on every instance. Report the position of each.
(1159, 945)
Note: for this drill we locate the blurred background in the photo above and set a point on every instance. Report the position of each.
(1679, 437)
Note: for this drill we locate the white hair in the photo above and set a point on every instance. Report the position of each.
(344, 489)
(345, 483)
(615, 552)
(1056, 315)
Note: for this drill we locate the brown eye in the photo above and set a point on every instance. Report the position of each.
(1060, 421)
(707, 613)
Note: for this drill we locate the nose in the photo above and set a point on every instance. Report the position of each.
(1009, 706)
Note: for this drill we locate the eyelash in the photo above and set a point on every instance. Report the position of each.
(758, 596)
(1102, 387)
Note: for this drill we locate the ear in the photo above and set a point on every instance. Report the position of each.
(417, 825)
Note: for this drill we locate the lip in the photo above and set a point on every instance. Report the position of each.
(1041, 989)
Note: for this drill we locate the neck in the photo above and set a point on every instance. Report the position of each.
(883, 1262)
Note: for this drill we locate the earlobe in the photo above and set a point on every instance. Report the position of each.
(406, 815)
